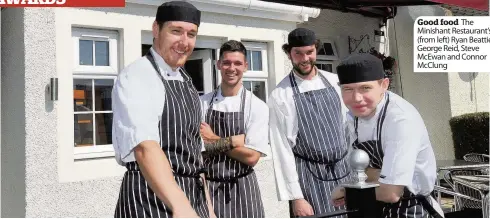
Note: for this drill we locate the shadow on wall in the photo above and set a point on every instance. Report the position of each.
(48, 103)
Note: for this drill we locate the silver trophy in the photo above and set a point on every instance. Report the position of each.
(359, 161)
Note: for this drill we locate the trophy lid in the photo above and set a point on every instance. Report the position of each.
(359, 160)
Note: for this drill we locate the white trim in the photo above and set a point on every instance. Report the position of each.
(249, 8)
(331, 62)
(262, 47)
(94, 151)
(98, 151)
(97, 35)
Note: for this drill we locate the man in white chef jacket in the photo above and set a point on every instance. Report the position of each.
(308, 141)
(394, 135)
(235, 132)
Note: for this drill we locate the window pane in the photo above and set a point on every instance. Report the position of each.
(86, 52)
(257, 88)
(249, 60)
(247, 85)
(101, 53)
(257, 60)
(103, 128)
(195, 70)
(103, 91)
(84, 130)
(82, 95)
(326, 49)
(325, 67)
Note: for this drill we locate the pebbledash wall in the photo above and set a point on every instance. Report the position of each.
(40, 174)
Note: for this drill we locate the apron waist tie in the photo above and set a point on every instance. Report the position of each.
(423, 199)
(330, 165)
(231, 179)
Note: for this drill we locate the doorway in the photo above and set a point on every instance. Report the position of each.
(199, 66)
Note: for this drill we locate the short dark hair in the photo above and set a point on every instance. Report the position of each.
(287, 48)
(233, 46)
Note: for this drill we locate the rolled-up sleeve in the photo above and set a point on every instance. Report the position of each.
(287, 182)
(136, 115)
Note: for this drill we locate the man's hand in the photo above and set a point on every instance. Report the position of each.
(302, 208)
(238, 140)
(372, 174)
(207, 133)
(338, 196)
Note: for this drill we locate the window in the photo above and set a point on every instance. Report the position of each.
(255, 79)
(327, 57)
(96, 55)
(258, 88)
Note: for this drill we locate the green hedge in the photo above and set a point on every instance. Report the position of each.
(470, 133)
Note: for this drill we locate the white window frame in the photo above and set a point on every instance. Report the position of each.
(329, 59)
(96, 150)
(331, 62)
(94, 72)
(96, 35)
(262, 47)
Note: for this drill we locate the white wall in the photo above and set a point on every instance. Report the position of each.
(437, 96)
(13, 173)
(428, 92)
(338, 26)
(468, 92)
(54, 185)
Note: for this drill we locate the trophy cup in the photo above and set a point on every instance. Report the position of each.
(360, 196)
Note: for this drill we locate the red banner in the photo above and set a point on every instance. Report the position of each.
(62, 3)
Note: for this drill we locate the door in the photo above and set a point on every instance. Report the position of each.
(199, 66)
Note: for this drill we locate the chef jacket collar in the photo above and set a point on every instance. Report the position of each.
(220, 97)
(165, 69)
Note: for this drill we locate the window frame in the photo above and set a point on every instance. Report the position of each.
(262, 47)
(329, 62)
(327, 57)
(94, 72)
(110, 36)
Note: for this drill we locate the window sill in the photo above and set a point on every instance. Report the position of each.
(91, 152)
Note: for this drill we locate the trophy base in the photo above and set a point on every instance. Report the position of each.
(360, 185)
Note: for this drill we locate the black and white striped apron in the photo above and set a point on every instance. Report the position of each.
(410, 205)
(181, 142)
(233, 185)
(320, 151)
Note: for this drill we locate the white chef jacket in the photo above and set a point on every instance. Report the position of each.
(408, 156)
(256, 116)
(138, 98)
(284, 129)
